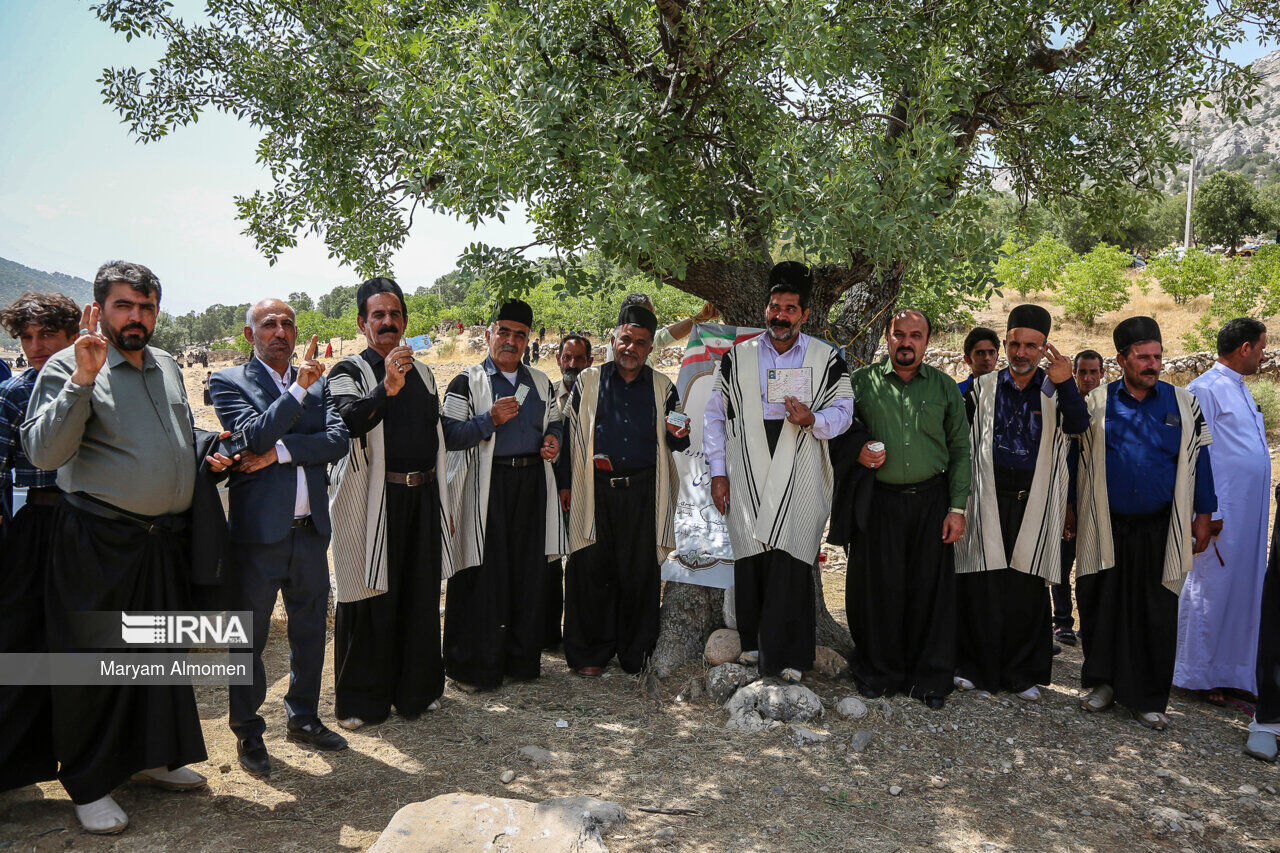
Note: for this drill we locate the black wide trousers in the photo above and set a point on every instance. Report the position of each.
(1268, 710)
(773, 603)
(1129, 619)
(900, 595)
(1004, 641)
(613, 589)
(26, 734)
(386, 648)
(102, 735)
(493, 620)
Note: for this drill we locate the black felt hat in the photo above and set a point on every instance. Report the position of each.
(515, 311)
(638, 315)
(1135, 330)
(1030, 317)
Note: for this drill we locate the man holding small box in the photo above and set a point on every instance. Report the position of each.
(622, 512)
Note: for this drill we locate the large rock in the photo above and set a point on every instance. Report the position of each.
(757, 706)
(829, 662)
(723, 646)
(458, 822)
(724, 680)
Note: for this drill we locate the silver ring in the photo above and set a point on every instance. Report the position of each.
(84, 331)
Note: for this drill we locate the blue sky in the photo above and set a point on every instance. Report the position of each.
(75, 190)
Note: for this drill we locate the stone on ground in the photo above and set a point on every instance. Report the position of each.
(852, 708)
(723, 646)
(805, 736)
(724, 680)
(453, 823)
(758, 705)
(829, 662)
(861, 740)
(537, 756)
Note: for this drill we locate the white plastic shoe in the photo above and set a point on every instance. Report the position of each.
(182, 779)
(791, 676)
(102, 817)
(749, 658)
(1099, 699)
(353, 723)
(962, 683)
(434, 706)
(1031, 694)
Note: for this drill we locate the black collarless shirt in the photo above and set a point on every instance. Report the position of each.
(408, 419)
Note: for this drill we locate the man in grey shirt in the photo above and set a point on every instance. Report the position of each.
(111, 415)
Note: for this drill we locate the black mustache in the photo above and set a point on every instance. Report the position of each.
(385, 329)
(134, 327)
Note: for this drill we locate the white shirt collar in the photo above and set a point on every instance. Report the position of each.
(1217, 365)
(279, 378)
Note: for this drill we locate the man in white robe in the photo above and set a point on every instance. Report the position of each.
(1218, 612)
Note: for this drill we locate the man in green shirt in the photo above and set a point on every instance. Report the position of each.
(900, 595)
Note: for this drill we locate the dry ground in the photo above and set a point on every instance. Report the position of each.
(981, 774)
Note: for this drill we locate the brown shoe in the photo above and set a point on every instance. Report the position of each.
(591, 671)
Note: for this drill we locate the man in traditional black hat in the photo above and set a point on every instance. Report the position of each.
(502, 429)
(622, 501)
(1144, 497)
(779, 398)
(1020, 418)
(390, 524)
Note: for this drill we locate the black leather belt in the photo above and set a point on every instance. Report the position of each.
(171, 523)
(304, 521)
(626, 481)
(44, 496)
(914, 488)
(412, 478)
(517, 461)
(1017, 494)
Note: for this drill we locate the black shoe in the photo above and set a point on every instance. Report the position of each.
(315, 734)
(253, 756)
(936, 703)
(1065, 636)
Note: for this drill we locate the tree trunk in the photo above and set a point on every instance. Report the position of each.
(740, 290)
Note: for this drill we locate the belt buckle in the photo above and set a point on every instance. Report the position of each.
(1024, 494)
(619, 482)
(414, 478)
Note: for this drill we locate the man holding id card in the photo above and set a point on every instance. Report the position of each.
(779, 398)
(502, 430)
(623, 422)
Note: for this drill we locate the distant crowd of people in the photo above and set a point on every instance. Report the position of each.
(962, 508)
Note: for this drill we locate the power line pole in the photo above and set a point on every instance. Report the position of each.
(1191, 193)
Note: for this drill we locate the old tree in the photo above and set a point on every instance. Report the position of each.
(691, 139)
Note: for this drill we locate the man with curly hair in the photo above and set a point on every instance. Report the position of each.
(43, 323)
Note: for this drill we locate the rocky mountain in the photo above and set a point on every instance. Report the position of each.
(1236, 145)
(15, 278)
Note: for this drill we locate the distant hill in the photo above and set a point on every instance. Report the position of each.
(1251, 146)
(15, 278)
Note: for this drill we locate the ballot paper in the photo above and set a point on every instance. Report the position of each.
(786, 382)
(521, 392)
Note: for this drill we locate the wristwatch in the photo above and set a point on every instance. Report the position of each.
(961, 512)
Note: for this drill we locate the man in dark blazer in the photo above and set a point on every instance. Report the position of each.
(280, 530)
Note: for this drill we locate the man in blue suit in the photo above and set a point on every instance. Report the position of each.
(280, 518)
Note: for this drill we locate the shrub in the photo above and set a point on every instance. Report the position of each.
(1031, 269)
(1094, 284)
(1195, 274)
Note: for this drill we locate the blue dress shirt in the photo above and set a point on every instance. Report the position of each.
(520, 436)
(1143, 442)
(1017, 428)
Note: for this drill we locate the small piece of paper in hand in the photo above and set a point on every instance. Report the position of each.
(521, 392)
(561, 724)
(786, 382)
(679, 420)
